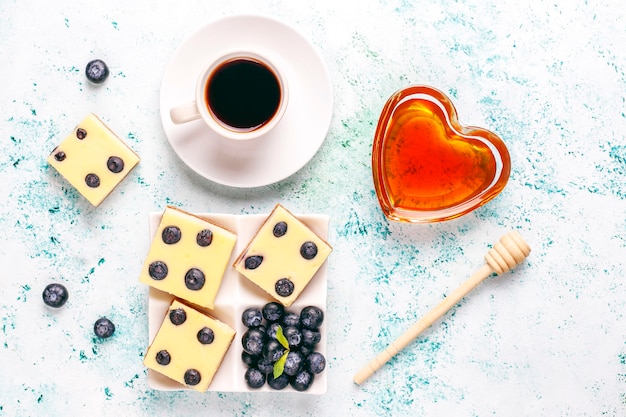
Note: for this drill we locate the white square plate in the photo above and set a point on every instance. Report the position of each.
(235, 295)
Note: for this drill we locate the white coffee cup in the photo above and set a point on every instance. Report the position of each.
(241, 95)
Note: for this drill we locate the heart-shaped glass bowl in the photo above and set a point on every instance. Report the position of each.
(429, 168)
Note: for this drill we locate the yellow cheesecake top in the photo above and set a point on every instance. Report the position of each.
(283, 256)
(93, 159)
(188, 257)
(189, 346)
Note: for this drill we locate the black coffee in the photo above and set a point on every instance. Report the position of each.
(243, 94)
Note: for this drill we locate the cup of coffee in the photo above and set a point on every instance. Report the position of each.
(241, 95)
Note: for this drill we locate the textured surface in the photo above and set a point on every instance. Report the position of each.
(547, 339)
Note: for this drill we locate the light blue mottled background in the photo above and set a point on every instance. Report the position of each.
(549, 339)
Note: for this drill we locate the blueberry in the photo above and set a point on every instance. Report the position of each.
(273, 311)
(60, 156)
(97, 71)
(255, 378)
(81, 133)
(284, 287)
(178, 316)
(204, 238)
(278, 383)
(308, 250)
(311, 317)
(104, 328)
(311, 337)
(272, 329)
(55, 295)
(293, 363)
(253, 341)
(280, 229)
(115, 164)
(192, 377)
(206, 336)
(248, 359)
(253, 262)
(157, 270)
(92, 180)
(293, 336)
(194, 279)
(315, 362)
(273, 350)
(265, 365)
(291, 319)
(306, 350)
(252, 317)
(171, 235)
(302, 380)
(163, 357)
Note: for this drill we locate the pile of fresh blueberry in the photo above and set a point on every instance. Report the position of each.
(279, 346)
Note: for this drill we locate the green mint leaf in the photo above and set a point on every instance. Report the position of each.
(279, 366)
(281, 337)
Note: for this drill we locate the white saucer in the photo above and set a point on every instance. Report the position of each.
(284, 150)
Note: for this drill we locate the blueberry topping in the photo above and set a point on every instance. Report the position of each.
(253, 262)
(194, 279)
(308, 250)
(97, 71)
(273, 311)
(294, 363)
(60, 156)
(103, 328)
(92, 181)
(178, 316)
(265, 365)
(55, 295)
(302, 380)
(278, 383)
(115, 164)
(206, 336)
(255, 378)
(284, 287)
(315, 362)
(311, 337)
(163, 357)
(253, 341)
(273, 350)
(157, 270)
(171, 235)
(293, 336)
(192, 377)
(81, 133)
(291, 319)
(252, 317)
(204, 238)
(280, 229)
(311, 317)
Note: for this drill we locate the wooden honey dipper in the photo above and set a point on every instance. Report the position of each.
(510, 251)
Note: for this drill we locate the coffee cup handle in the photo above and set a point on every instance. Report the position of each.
(185, 113)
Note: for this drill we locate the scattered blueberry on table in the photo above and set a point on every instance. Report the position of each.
(97, 71)
(104, 328)
(55, 295)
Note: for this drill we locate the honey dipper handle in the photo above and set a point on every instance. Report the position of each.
(508, 252)
(424, 323)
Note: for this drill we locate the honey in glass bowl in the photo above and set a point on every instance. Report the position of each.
(429, 168)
